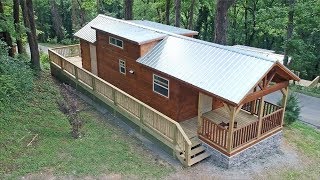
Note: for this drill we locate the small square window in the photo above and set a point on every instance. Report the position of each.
(122, 66)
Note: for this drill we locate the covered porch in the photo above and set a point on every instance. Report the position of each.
(232, 127)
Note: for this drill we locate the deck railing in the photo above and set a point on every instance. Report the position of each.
(214, 133)
(154, 122)
(271, 121)
(253, 107)
(217, 135)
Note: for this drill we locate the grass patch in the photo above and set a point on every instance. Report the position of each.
(104, 149)
(306, 140)
(314, 91)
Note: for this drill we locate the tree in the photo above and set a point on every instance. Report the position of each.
(28, 17)
(128, 15)
(56, 20)
(221, 21)
(289, 29)
(192, 6)
(6, 33)
(16, 17)
(168, 2)
(177, 13)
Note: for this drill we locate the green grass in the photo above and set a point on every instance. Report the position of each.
(104, 149)
(315, 91)
(306, 140)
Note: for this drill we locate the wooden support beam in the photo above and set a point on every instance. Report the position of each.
(285, 93)
(200, 112)
(260, 115)
(230, 130)
(265, 91)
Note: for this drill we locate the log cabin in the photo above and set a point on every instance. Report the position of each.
(196, 97)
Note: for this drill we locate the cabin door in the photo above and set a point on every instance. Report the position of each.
(93, 56)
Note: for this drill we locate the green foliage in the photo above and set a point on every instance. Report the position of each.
(44, 59)
(16, 77)
(105, 148)
(292, 109)
(311, 91)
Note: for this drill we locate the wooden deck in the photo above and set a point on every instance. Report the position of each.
(77, 60)
(190, 127)
(221, 115)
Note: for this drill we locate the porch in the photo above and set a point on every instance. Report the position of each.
(213, 127)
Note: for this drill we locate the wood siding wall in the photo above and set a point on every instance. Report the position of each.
(183, 100)
(85, 54)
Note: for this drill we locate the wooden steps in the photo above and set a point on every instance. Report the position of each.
(198, 152)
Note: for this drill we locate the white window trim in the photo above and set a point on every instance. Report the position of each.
(161, 85)
(116, 40)
(125, 68)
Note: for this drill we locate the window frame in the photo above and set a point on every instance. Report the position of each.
(116, 39)
(121, 66)
(159, 84)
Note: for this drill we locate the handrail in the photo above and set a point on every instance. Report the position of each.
(274, 112)
(176, 124)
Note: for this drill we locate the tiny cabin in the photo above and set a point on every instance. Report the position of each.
(213, 94)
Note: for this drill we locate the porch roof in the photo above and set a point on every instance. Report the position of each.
(220, 70)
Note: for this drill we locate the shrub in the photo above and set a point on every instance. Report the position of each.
(44, 59)
(292, 109)
(16, 76)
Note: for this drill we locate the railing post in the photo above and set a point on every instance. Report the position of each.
(187, 153)
(285, 92)
(141, 116)
(76, 72)
(93, 83)
(175, 144)
(232, 113)
(114, 101)
(62, 63)
(260, 115)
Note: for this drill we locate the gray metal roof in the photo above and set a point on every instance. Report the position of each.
(165, 27)
(126, 30)
(220, 70)
(264, 52)
(87, 33)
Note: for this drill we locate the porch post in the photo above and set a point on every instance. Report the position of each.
(285, 92)
(232, 113)
(253, 104)
(260, 115)
(200, 113)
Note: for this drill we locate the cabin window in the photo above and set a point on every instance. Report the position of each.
(161, 85)
(116, 42)
(122, 66)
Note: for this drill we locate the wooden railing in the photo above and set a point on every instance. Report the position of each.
(218, 135)
(253, 107)
(214, 133)
(245, 134)
(271, 121)
(154, 122)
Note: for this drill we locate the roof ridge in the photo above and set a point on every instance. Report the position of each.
(191, 39)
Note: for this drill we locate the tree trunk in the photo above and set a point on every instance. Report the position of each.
(191, 14)
(56, 20)
(128, 9)
(177, 13)
(221, 21)
(168, 2)
(234, 24)
(28, 17)
(291, 4)
(6, 34)
(16, 17)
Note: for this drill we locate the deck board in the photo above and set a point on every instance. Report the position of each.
(77, 60)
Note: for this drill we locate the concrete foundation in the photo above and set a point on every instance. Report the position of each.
(266, 146)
